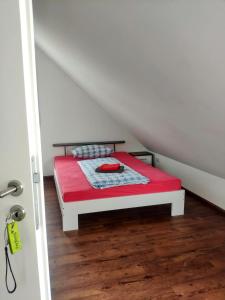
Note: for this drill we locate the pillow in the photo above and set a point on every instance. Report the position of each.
(92, 151)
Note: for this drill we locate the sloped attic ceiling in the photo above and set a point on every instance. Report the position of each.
(158, 66)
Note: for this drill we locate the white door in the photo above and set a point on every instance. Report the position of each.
(19, 142)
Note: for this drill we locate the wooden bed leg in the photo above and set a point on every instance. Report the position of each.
(177, 207)
(70, 220)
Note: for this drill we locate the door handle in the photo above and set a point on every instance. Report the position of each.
(15, 188)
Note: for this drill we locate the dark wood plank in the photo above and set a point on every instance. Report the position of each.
(138, 254)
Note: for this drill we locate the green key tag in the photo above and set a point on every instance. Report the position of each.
(15, 243)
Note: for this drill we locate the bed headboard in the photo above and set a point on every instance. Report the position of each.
(65, 145)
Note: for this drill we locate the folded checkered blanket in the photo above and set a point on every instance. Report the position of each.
(106, 180)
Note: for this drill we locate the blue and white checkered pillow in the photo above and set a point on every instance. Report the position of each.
(92, 151)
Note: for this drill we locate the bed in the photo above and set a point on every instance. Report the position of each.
(76, 196)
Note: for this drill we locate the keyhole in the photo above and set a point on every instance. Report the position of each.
(17, 212)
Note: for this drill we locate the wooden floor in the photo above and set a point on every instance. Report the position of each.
(138, 254)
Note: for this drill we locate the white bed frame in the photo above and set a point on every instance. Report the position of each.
(71, 210)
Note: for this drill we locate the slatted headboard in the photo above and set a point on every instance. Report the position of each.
(65, 145)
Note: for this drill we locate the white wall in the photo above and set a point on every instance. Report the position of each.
(158, 65)
(68, 114)
(63, 106)
(207, 186)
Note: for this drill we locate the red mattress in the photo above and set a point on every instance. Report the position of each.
(75, 187)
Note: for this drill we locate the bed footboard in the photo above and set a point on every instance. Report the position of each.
(71, 210)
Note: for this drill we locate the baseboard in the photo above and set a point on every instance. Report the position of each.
(205, 201)
(208, 186)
